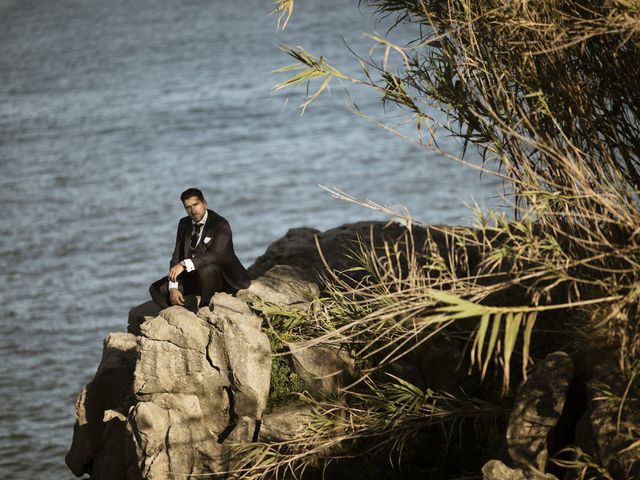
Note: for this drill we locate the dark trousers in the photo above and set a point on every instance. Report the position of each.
(205, 282)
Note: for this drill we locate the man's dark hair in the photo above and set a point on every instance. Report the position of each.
(192, 192)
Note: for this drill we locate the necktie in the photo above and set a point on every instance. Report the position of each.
(195, 235)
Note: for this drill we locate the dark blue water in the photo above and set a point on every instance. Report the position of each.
(108, 110)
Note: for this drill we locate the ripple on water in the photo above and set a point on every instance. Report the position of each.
(108, 111)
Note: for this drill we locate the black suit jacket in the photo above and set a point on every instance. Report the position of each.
(218, 250)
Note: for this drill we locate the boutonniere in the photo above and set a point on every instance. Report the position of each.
(207, 240)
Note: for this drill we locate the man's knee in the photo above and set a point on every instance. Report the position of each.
(157, 286)
(154, 287)
(212, 269)
(159, 292)
(210, 278)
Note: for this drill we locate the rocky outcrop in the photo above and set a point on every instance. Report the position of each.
(165, 402)
(98, 436)
(324, 368)
(285, 422)
(542, 409)
(299, 247)
(171, 395)
(197, 377)
(496, 470)
(536, 412)
(548, 403)
(537, 409)
(602, 432)
(285, 286)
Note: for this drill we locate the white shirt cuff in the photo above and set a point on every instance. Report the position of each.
(173, 284)
(188, 264)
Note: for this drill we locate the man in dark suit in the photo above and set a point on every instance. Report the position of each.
(203, 260)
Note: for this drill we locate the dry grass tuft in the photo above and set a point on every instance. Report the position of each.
(549, 94)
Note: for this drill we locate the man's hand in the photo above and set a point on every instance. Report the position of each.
(174, 271)
(175, 297)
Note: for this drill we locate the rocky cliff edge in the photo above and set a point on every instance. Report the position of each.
(172, 394)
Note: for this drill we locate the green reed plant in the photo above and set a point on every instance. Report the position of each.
(282, 326)
(382, 309)
(548, 94)
(335, 433)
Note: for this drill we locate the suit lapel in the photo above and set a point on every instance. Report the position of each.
(207, 231)
(186, 238)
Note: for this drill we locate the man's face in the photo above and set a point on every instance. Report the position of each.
(195, 208)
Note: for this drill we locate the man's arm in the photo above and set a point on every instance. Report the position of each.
(175, 256)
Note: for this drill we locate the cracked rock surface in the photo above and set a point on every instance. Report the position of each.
(537, 409)
(165, 402)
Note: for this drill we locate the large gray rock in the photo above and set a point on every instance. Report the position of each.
(537, 409)
(140, 314)
(496, 470)
(324, 368)
(169, 402)
(284, 423)
(197, 378)
(299, 247)
(98, 434)
(597, 433)
(173, 438)
(182, 398)
(242, 349)
(284, 286)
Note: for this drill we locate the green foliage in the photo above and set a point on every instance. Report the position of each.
(548, 94)
(283, 326)
(548, 91)
(308, 68)
(382, 418)
(284, 381)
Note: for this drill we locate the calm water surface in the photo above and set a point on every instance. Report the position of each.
(108, 110)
